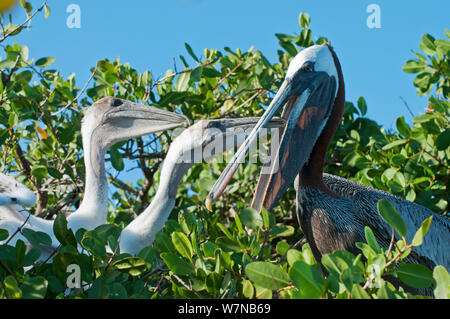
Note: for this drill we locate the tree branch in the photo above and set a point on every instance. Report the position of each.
(23, 23)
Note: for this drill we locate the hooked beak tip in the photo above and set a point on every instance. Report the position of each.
(208, 202)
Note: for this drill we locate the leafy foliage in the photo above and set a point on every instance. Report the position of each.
(233, 252)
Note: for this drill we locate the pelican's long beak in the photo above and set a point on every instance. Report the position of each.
(299, 92)
(129, 120)
(141, 120)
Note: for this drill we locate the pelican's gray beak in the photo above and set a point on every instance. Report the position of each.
(124, 120)
(138, 120)
(302, 91)
(130, 120)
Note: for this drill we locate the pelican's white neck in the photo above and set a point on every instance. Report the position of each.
(142, 230)
(94, 206)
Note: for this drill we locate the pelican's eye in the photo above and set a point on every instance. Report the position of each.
(116, 102)
(308, 67)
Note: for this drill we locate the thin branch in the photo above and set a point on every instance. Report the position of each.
(407, 106)
(117, 182)
(79, 94)
(248, 101)
(19, 229)
(158, 82)
(226, 76)
(185, 285)
(392, 243)
(25, 22)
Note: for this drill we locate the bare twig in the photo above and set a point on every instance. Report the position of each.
(391, 244)
(407, 106)
(185, 285)
(23, 23)
(19, 229)
(158, 82)
(248, 101)
(79, 94)
(117, 182)
(226, 76)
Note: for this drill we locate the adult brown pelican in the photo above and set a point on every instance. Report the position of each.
(12, 192)
(332, 211)
(199, 142)
(105, 123)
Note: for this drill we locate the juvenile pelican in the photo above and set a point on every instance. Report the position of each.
(332, 211)
(204, 138)
(105, 123)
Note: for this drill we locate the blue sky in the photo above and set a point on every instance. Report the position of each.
(148, 34)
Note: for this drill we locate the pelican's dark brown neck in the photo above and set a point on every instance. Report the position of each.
(311, 173)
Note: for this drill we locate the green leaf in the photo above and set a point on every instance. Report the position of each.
(293, 255)
(394, 144)
(3, 234)
(251, 218)
(225, 231)
(183, 82)
(262, 293)
(36, 237)
(238, 223)
(415, 275)
(133, 266)
(267, 275)
(371, 240)
(282, 247)
(12, 288)
(164, 242)
(443, 46)
(34, 287)
(99, 289)
(308, 279)
(427, 45)
(6, 64)
(191, 52)
(177, 265)
(64, 235)
(443, 140)
(358, 292)
(92, 242)
(247, 289)
(116, 159)
(205, 184)
(362, 105)
(20, 251)
(182, 245)
(117, 291)
(39, 171)
(44, 62)
(421, 232)
(47, 11)
(304, 20)
(423, 81)
(402, 127)
(391, 216)
(32, 256)
(282, 231)
(442, 279)
(266, 217)
(148, 254)
(412, 66)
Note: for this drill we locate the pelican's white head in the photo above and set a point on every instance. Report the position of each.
(314, 58)
(111, 120)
